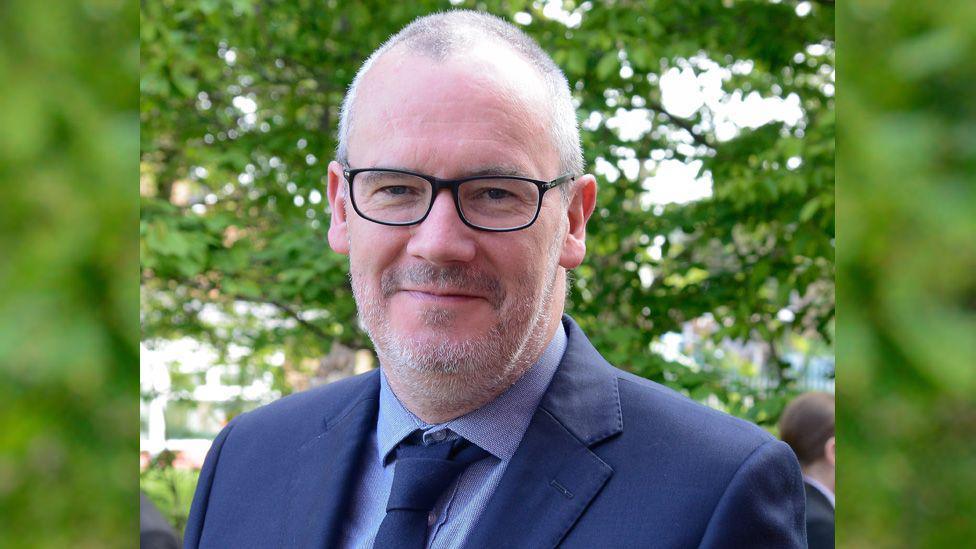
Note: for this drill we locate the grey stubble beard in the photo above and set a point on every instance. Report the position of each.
(458, 375)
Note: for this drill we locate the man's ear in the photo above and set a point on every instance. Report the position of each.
(830, 451)
(338, 230)
(581, 205)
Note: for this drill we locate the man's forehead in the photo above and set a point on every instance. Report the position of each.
(432, 110)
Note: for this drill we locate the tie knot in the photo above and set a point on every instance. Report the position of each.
(423, 472)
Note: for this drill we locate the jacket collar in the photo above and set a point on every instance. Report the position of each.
(555, 475)
(326, 467)
(583, 395)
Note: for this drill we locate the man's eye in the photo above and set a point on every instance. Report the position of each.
(396, 190)
(496, 194)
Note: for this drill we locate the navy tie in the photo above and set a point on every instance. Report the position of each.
(422, 474)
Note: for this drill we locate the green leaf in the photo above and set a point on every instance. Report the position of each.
(607, 64)
(184, 83)
(809, 209)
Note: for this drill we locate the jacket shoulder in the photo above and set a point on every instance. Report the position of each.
(305, 414)
(649, 406)
(649, 412)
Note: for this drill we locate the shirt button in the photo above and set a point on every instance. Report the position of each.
(431, 518)
(439, 436)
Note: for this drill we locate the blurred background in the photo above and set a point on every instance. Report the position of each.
(710, 265)
(69, 297)
(906, 274)
(712, 203)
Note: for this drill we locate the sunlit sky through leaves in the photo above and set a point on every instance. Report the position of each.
(693, 85)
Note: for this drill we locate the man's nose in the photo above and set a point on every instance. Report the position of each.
(442, 238)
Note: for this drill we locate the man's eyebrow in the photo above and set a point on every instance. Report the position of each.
(494, 170)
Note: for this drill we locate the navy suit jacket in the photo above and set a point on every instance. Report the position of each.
(609, 460)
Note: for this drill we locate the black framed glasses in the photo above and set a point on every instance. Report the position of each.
(497, 203)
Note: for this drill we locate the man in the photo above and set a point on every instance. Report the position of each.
(807, 425)
(459, 197)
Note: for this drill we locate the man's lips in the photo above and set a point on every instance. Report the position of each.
(439, 294)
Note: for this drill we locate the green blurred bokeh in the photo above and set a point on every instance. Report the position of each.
(68, 273)
(906, 258)
(69, 267)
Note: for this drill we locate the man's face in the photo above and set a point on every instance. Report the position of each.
(440, 299)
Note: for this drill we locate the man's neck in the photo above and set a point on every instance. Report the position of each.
(442, 411)
(435, 413)
(821, 476)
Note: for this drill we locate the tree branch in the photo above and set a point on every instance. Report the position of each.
(287, 309)
(681, 123)
(294, 314)
(774, 358)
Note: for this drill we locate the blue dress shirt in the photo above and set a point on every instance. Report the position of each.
(497, 427)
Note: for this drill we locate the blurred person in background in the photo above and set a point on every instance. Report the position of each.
(807, 425)
(154, 531)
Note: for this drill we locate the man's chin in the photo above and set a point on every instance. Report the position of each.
(441, 322)
(439, 330)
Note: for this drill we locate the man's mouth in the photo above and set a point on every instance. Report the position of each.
(440, 294)
(448, 285)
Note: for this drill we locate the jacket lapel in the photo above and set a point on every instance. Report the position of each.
(325, 470)
(554, 475)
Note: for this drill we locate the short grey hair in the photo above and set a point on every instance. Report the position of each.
(442, 35)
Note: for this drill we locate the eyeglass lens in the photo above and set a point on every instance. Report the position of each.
(390, 197)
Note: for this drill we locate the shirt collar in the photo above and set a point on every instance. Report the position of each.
(821, 487)
(497, 427)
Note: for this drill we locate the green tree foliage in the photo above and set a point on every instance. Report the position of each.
(907, 261)
(68, 326)
(239, 112)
